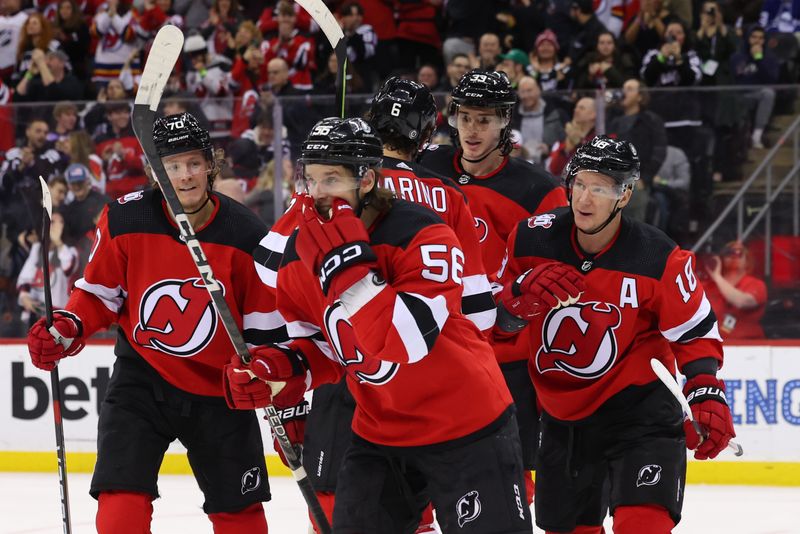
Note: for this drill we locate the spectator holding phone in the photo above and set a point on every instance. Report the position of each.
(737, 297)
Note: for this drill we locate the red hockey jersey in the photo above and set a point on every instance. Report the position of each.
(413, 182)
(642, 301)
(397, 341)
(299, 55)
(498, 200)
(141, 276)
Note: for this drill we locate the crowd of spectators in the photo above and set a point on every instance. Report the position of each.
(69, 69)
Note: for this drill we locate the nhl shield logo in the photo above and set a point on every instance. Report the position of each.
(545, 220)
(468, 508)
(649, 475)
(464, 179)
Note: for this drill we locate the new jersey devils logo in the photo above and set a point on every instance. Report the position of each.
(343, 339)
(468, 508)
(251, 480)
(649, 475)
(176, 317)
(482, 229)
(580, 340)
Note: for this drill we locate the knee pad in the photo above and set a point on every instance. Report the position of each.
(250, 520)
(124, 512)
(642, 518)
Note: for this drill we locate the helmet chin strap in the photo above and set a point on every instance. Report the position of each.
(203, 205)
(606, 223)
(489, 153)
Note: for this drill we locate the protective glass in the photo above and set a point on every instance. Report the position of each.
(481, 123)
(578, 186)
(178, 169)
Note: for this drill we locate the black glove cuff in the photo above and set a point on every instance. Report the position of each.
(705, 393)
(293, 413)
(507, 322)
(341, 258)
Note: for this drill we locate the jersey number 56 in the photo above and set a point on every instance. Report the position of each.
(442, 263)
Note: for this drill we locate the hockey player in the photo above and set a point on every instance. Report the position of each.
(403, 113)
(601, 295)
(501, 191)
(381, 280)
(171, 347)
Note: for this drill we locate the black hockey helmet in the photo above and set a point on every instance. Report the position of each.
(485, 89)
(351, 142)
(403, 108)
(613, 158)
(180, 133)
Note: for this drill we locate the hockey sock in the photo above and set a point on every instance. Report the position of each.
(124, 512)
(250, 520)
(426, 523)
(530, 487)
(642, 518)
(326, 500)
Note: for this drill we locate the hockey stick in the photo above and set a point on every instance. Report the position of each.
(333, 32)
(55, 383)
(166, 48)
(666, 377)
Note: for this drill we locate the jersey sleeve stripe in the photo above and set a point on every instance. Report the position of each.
(699, 319)
(298, 329)
(483, 320)
(707, 328)
(264, 328)
(111, 297)
(420, 320)
(268, 255)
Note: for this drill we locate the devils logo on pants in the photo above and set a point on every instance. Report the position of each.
(176, 317)
(580, 340)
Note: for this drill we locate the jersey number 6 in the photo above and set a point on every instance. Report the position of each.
(441, 264)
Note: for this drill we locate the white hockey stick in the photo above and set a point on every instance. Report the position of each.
(333, 32)
(165, 51)
(666, 377)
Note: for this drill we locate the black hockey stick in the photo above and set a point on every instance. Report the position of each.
(333, 32)
(166, 48)
(55, 383)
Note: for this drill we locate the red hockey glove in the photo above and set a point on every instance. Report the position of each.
(246, 387)
(706, 396)
(294, 422)
(64, 338)
(539, 290)
(336, 249)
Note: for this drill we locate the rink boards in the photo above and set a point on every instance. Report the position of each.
(763, 383)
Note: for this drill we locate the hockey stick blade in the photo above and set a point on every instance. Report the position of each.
(333, 32)
(157, 70)
(668, 380)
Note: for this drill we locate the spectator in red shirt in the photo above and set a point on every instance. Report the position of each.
(737, 297)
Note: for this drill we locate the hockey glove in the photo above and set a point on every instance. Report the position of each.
(64, 338)
(706, 396)
(274, 376)
(548, 286)
(294, 422)
(336, 249)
